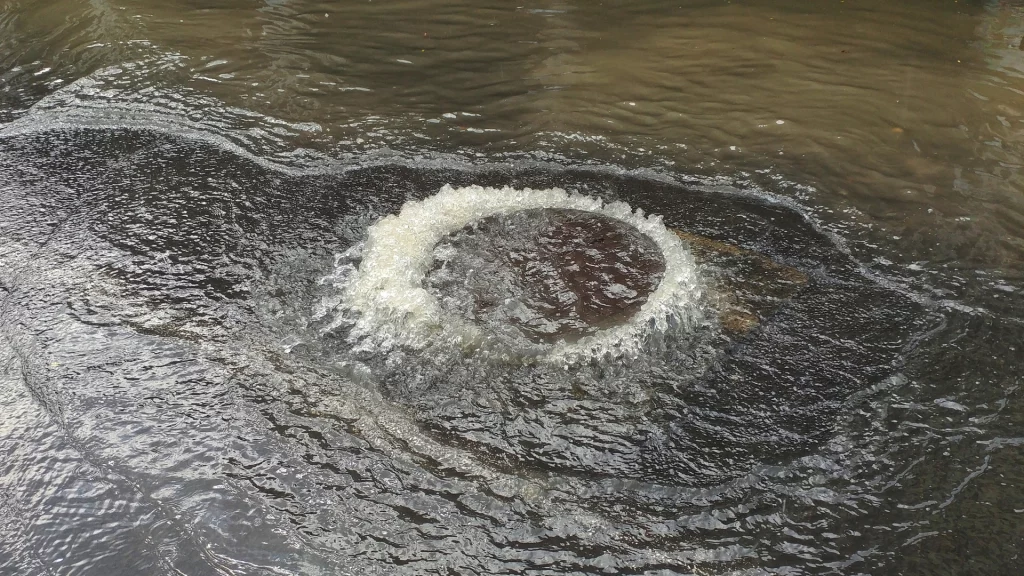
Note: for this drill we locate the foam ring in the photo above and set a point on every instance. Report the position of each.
(391, 305)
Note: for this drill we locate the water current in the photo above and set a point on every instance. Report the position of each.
(305, 287)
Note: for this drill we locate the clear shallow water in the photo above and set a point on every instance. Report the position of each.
(172, 401)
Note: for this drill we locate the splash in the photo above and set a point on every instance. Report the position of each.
(386, 303)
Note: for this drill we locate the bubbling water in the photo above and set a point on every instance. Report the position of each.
(404, 285)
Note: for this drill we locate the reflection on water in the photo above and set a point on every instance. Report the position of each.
(889, 107)
(178, 178)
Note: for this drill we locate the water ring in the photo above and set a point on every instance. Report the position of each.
(391, 300)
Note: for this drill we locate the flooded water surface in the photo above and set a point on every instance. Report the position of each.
(700, 287)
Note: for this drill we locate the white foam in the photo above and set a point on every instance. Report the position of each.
(390, 305)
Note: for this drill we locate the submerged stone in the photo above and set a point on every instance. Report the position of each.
(746, 287)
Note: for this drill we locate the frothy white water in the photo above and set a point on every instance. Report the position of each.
(385, 304)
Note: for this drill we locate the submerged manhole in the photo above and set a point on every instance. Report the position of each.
(520, 275)
(550, 273)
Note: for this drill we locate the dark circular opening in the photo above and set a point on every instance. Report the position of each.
(547, 273)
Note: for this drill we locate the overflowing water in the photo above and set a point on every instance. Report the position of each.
(395, 300)
(289, 287)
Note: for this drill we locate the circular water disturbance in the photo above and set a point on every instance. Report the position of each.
(527, 272)
(547, 273)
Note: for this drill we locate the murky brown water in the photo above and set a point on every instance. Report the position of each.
(176, 179)
(891, 109)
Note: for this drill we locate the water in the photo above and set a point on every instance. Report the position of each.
(412, 285)
(184, 391)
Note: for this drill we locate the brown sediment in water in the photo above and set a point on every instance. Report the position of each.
(561, 274)
(555, 274)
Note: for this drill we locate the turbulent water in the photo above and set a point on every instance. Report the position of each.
(414, 287)
(234, 339)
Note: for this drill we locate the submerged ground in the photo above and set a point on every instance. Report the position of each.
(182, 187)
